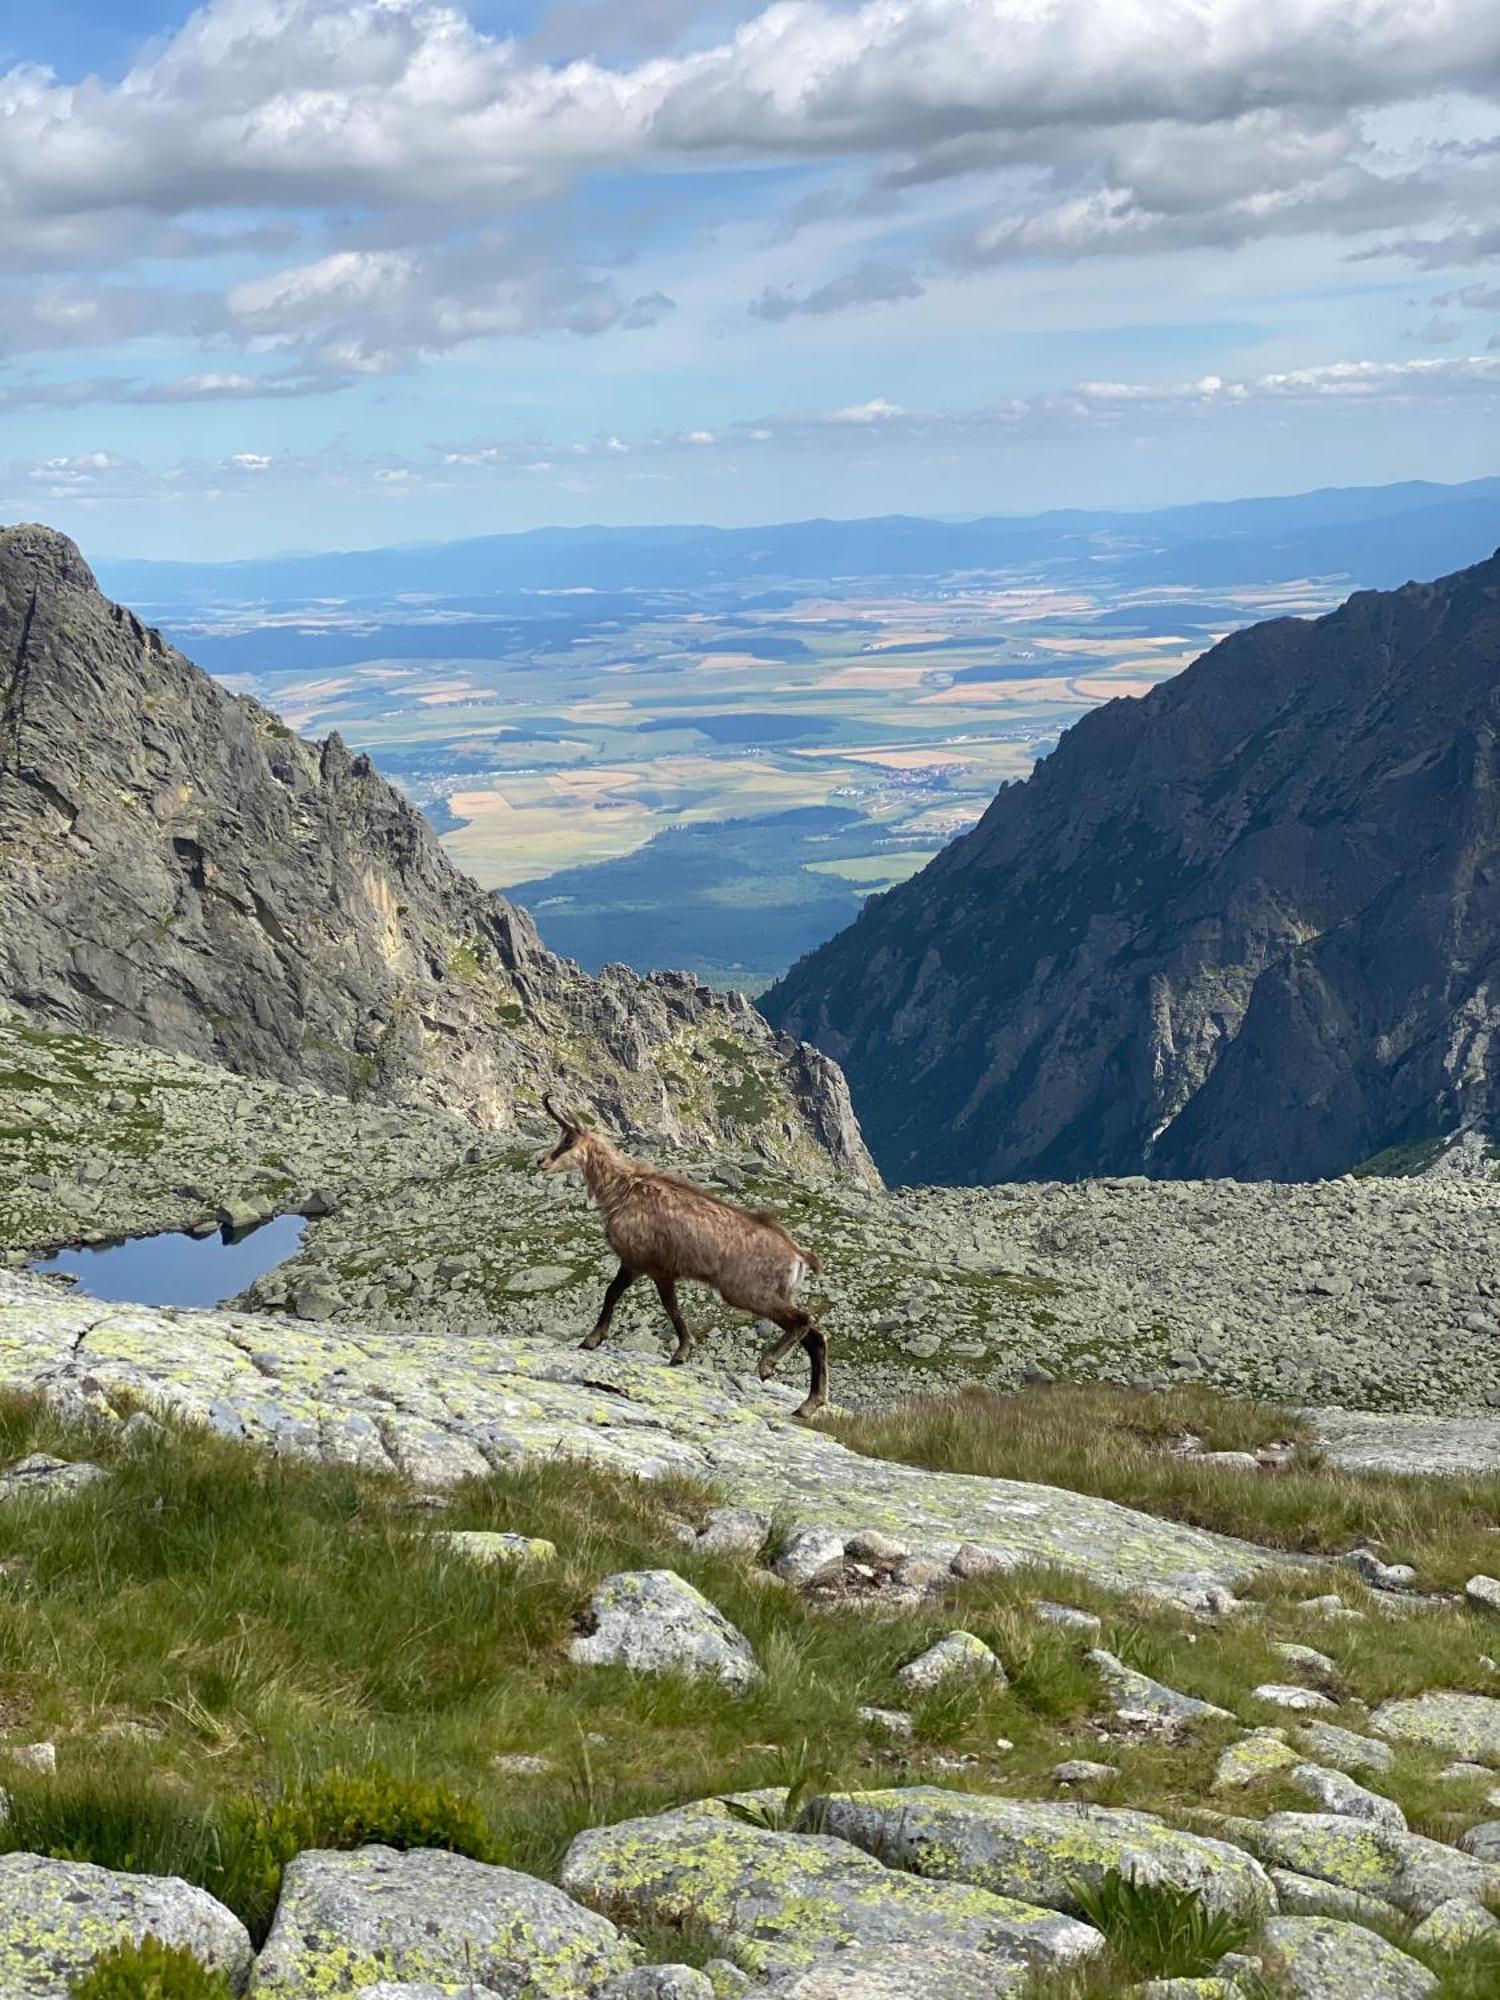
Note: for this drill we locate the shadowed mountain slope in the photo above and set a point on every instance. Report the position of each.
(1248, 925)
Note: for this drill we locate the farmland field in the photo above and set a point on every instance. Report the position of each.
(715, 774)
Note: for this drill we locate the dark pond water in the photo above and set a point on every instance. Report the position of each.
(177, 1270)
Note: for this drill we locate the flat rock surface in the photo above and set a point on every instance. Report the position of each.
(440, 1408)
(786, 1902)
(1409, 1441)
(57, 1916)
(1465, 1725)
(347, 1921)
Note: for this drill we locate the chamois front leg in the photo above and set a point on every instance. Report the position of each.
(684, 1347)
(619, 1285)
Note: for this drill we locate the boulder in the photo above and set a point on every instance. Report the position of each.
(39, 1476)
(660, 1982)
(956, 1653)
(655, 1622)
(1463, 1725)
(1454, 1925)
(1134, 1694)
(807, 1553)
(346, 1921)
(1336, 1792)
(1287, 1695)
(57, 1916)
(1038, 1850)
(1345, 1749)
(1483, 1592)
(487, 1546)
(1069, 1617)
(1482, 1841)
(903, 1972)
(1405, 1869)
(1322, 1958)
(784, 1903)
(1306, 1896)
(1253, 1756)
(734, 1530)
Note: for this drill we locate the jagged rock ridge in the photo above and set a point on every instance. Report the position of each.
(178, 868)
(1246, 926)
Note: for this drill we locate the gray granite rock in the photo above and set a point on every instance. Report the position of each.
(1345, 1749)
(57, 1916)
(905, 1972)
(1130, 1693)
(659, 1982)
(955, 1655)
(1336, 1792)
(1038, 1850)
(349, 1920)
(1463, 1725)
(785, 1903)
(1405, 1869)
(1321, 1958)
(655, 1622)
(39, 1476)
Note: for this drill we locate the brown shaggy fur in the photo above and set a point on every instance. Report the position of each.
(664, 1228)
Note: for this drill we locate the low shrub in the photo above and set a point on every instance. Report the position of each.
(150, 1970)
(337, 1809)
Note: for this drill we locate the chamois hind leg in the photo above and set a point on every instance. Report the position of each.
(619, 1285)
(684, 1346)
(817, 1356)
(794, 1324)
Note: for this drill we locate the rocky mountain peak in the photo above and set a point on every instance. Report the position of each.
(177, 867)
(1247, 925)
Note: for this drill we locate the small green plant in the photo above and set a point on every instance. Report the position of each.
(805, 1779)
(150, 1970)
(1154, 1930)
(338, 1809)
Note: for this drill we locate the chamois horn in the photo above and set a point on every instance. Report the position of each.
(553, 1113)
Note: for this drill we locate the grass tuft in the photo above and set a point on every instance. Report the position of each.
(150, 1970)
(1115, 1443)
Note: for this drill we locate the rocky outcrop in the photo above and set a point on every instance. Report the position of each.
(176, 867)
(1248, 925)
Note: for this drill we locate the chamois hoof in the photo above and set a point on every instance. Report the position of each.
(590, 1341)
(805, 1412)
(767, 1368)
(681, 1358)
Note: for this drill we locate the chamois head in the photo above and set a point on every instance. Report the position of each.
(569, 1150)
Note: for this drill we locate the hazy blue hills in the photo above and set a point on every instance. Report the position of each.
(1376, 536)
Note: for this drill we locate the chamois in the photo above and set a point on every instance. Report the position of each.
(663, 1228)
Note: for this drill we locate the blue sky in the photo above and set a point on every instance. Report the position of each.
(290, 273)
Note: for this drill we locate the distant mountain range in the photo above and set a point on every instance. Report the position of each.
(1246, 926)
(1375, 536)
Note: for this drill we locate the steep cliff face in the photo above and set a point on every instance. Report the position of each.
(176, 867)
(1248, 925)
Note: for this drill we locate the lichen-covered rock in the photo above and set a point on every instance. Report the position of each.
(441, 1407)
(660, 1982)
(1337, 1792)
(1405, 1869)
(1131, 1693)
(423, 1989)
(1464, 1725)
(1286, 1694)
(808, 1552)
(1253, 1756)
(1188, 1989)
(955, 1654)
(486, 1546)
(1321, 1958)
(783, 1903)
(655, 1622)
(1345, 1749)
(1306, 1896)
(346, 1921)
(1308, 1658)
(1454, 1924)
(57, 1916)
(904, 1972)
(39, 1476)
(1038, 1850)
